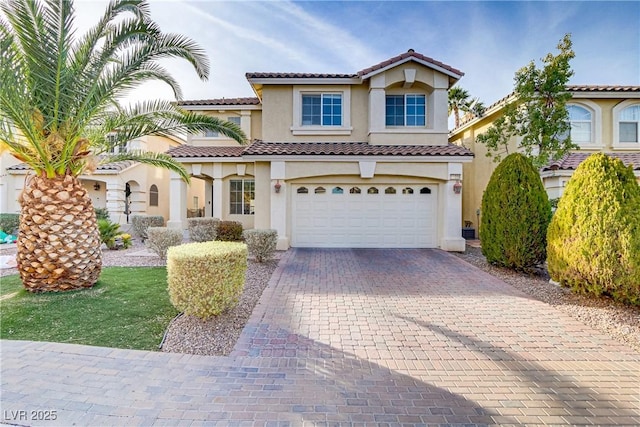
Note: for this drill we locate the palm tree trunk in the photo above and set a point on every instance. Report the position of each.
(58, 243)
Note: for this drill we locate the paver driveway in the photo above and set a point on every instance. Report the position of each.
(347, 337)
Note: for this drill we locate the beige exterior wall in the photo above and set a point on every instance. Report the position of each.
(477, 174)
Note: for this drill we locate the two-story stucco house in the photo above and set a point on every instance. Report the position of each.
(603, 119)
(336, 160)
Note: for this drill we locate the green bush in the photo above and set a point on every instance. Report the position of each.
(111, 235)
(102, 213)
(203, 229)
(261, 243)
(229, 231)
(9, 223)
(594, 237)
(162, 238)
(141, 223)
(206, 278)
(515, 215)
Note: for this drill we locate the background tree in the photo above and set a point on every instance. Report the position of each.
(594, 236)
(515, 215)
(458, 101)
(537, 111)
(59, 100)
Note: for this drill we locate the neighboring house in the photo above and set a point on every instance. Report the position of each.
(336, 160)
(123, 188)
(603, 119)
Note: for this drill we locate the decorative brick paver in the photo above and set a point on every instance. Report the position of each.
(350, 337)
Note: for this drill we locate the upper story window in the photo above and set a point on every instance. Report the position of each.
(323, 109)
(629, 122)
(405, 110)
(214, 134)
(580, 120)
(115, 147)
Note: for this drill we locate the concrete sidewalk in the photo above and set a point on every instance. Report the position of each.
(344, 337)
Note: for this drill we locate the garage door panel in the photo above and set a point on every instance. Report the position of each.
(365, 219)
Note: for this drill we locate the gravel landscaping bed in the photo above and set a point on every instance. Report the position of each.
(620, 322)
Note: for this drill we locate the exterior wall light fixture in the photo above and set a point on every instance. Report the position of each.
(96, 186)
(457, 187)
(277, 186)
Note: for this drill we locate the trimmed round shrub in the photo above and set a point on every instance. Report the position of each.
(203, 229)
(594, 236)
(207, 278)
(229, 231)
(162, 238)
(141, 223)
(261, 243)
(515, 215)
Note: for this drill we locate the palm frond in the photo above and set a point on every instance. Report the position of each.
(58, 91)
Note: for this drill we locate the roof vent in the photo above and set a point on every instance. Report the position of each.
(411, 51)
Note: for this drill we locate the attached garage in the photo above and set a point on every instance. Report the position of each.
(364, 216)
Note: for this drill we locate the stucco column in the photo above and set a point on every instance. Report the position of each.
(279, 204)
(377, 104)
(177, 202)
(115, 202)
(217, 191)
(451, 210)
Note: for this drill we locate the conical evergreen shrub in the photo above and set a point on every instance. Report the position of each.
(515, 215)
(594, 237)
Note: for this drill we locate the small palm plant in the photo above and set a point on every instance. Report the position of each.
(59, 101)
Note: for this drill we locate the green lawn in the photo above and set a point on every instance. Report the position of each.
(127, 308)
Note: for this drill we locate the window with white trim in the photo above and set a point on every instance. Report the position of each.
(215, 134)
(628, 124)
(242, 196)
(580, 120)
(321, 109)
(153, 195)
(405, 110)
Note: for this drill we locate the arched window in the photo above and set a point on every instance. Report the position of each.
(407, 190)
(320, 190)
(303, 190)
(580, 120)
(425, 190)
(355, 190)
(628, 124)
(390, 190)
(372, 190)
(153, 195)
(337, 190)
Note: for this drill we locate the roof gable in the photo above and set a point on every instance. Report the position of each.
(409, 56)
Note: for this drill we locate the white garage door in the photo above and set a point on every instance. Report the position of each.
(351, 216)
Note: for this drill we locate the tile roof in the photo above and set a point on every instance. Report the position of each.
(221, 101)
(186, 151)
(104, 168)
(299, 76)
(572, 160)
(410, 54)
(602, 88)
(399, 58)
(261, 148)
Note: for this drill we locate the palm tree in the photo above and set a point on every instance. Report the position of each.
(59, 100)
(458, 101)
(476, 107)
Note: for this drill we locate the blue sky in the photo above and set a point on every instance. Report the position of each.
(488, 41)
